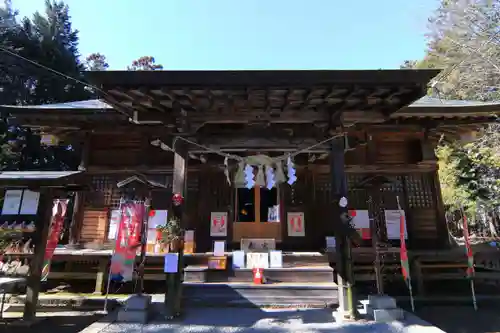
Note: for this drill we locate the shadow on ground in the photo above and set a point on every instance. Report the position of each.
(462, 318)
(50, 324)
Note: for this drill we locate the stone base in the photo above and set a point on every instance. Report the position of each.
(387, 315)
(342, 317)
(136, 310)
(383, 308)
(133, 316)
(382, 302)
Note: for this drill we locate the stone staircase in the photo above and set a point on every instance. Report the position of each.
(305, 280)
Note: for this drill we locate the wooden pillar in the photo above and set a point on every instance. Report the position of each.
(79, 200)
(345, 278)
(442, 227)
(35, 273)
(102, 269)
(179, 186)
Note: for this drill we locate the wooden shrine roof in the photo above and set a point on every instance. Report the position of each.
(201, 101)
(70, 180)
(187, 100)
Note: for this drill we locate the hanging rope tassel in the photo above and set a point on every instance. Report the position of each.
(279, 175)
(226, 169)
(239, 177)
(259, 180)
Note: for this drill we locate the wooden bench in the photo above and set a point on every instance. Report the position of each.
(427, 270)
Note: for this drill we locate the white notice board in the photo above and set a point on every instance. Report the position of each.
(392, 223)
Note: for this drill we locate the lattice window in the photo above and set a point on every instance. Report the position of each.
(104, 192)
(419, 191)
(395, 184)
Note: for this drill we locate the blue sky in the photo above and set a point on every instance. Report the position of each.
(251, 34)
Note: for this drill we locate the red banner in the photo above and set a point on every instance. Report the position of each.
(56, 225)
(128, 240)
(405, 267)
(468, 249)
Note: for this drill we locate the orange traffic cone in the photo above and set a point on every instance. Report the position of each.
(257, 276)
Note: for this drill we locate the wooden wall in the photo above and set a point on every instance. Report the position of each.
(208, 190)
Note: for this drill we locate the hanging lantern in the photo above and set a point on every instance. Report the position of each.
(177, 199)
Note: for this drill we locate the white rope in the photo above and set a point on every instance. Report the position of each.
(275, 159)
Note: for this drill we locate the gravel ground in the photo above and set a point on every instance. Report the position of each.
(232, 320)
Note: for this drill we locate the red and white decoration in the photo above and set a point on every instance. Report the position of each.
(361, 222)
(218, 224)
(296, 224)
(177, 199)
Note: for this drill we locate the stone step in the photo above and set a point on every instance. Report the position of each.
(244, 294)
(297, 274)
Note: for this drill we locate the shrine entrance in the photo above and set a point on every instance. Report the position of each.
(257, 214)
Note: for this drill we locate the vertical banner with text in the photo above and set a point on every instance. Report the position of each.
(56, 225)
(128, 240)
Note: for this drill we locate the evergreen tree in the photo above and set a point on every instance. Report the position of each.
(48, 40)
(464, 39)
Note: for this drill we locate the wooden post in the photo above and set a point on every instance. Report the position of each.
(144, 236)
(101, 273)
(174, 281)
(345, 276)
(374, 210)
(35, 273)
(442, 228)
(79, 200)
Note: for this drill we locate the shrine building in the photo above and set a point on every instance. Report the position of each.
(298, 133)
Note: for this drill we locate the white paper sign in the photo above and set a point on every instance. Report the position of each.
(273, 213)
(189, 236)
(171, 262)
(151, 236)
(114, 221)
(257, 260)
(257, 244)
(296, 224)
(218, 224)
(219, 248)
(12, 202)
(392, 223)
(29, 206)
(331, 243)
(275, 259)
(159, 218)
(360, 218)
(238, 259)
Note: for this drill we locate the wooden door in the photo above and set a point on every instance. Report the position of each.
(256, 227)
